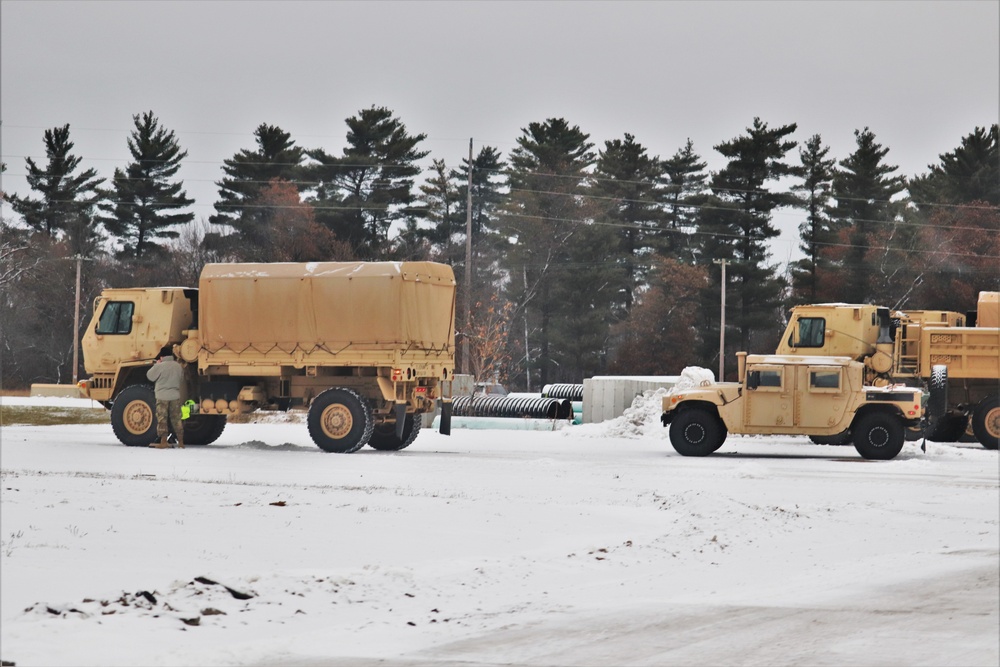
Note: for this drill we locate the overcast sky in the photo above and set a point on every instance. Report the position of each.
(920, 74)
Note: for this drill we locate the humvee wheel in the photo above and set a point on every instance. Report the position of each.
(842, 438)
(986, 422)
(384, 435)
(203, 429)
(133, 415)
(879, 436)
(697, 432)
(340, 421)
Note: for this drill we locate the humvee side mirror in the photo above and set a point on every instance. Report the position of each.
(753, 379)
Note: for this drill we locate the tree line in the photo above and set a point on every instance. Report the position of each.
(586, 259)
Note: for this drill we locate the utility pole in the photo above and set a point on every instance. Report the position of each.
(722, 323)
(76, 318)
(468, 268)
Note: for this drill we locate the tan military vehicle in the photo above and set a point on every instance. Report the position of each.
(785, 395)
(955, 357)
(366, 348)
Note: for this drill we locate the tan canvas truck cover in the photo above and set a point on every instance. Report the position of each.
(329, 307)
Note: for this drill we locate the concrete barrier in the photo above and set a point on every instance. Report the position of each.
(607, 397)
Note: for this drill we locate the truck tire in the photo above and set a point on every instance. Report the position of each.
(949, 428)
(878, 436)
(340, 421)
(133, 415)
(937, 404)
(384, 435)
(697, 432)
(203, 429)
(986, 422)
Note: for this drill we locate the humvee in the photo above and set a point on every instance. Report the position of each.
(821, 397)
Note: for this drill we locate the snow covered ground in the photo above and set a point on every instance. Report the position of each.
(591, 545)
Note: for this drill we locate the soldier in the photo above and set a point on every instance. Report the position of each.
(167, 375)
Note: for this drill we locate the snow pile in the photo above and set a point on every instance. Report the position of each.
(642, 418)
(693, 377)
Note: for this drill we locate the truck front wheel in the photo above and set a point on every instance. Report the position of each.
(879, 436)
(133, 415)
(697, 432)
(986, 422)
(340, 421)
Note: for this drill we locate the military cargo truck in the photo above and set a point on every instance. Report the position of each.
(786, 395)
(366, 348)
(955, 357)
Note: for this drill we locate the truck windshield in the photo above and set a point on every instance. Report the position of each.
(812, 332)
(116, 318)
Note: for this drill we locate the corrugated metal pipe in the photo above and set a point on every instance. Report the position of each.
(502, 406)
(573, 392)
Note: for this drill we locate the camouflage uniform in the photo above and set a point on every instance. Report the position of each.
(171, 409)
(168, 375)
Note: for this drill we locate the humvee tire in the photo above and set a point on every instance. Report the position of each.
(842, 438)
(133, 415)
(986, 422)
(697, 432)
(384, 435)
(340, 421)
(878, 436)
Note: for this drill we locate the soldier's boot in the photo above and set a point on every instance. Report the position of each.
(162, 444)
(180, 440)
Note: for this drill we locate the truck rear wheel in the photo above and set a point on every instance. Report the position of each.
(697, 432)
(986, 422)
(879, 436)
(340, 421)
(384, 435)
(949, 428)
(133, 415)
(203, 429)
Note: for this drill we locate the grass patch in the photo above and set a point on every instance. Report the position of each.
(26, 415)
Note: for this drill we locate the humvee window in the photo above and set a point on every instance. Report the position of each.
(825, 379)
(764, 378)
(812, 332)
(116, 318)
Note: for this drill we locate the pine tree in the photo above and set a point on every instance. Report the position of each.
(488, 181)
(248, 174)
(683, 181)
(146, 199)
(440, 204)
(737, 225)
(371, 186)
(816, 232)
(864, 186)
(969, 173)
(625, 179)
(567, 319)
(67, 201)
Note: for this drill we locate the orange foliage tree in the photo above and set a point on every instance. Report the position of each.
(961, 258)
(487, 335)
(662, 334)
